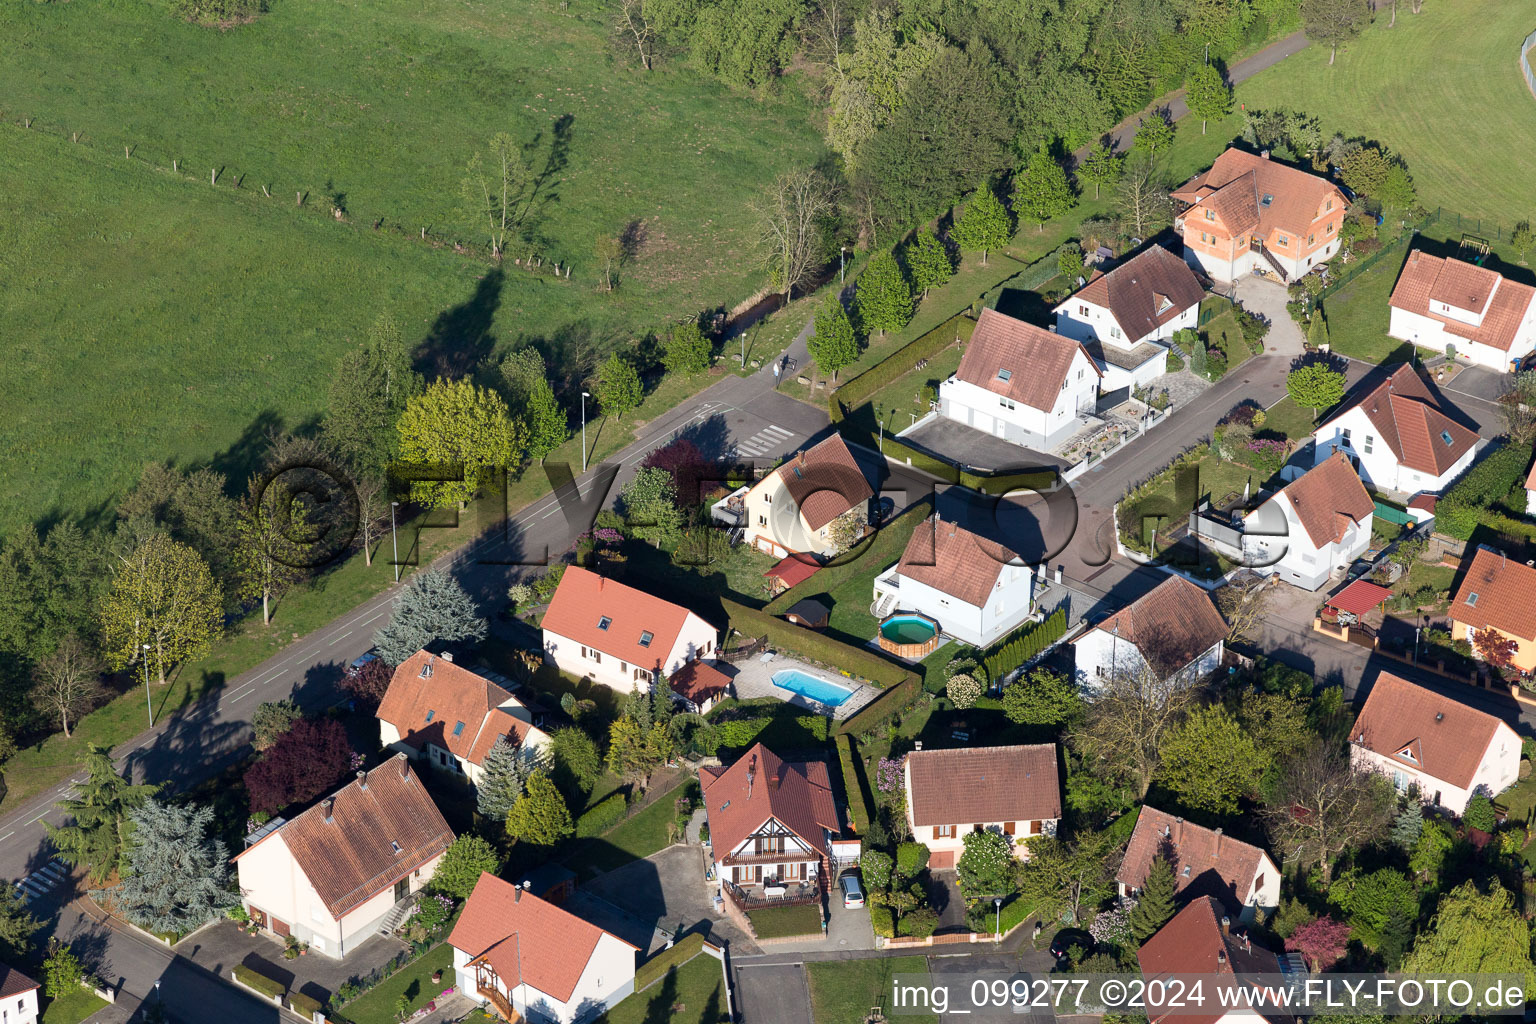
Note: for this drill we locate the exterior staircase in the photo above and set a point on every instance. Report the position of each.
(881, 608)
(397, 914)
(1274, 264)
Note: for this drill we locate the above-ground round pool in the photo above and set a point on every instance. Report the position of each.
(909, 635)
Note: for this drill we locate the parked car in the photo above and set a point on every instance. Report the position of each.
(1065, 939)
(853, 893)
(1525, 362)
(361, 660)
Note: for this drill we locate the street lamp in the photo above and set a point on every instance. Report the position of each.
(880, 421)
(393, 540)
(840, 251)
(584, 396)
(997, 927)
(148, 702)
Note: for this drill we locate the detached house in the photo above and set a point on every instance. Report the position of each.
(1250, 212)
(1122, 315)
(1173, 631)
(974, 589)
(528, 958)
(792, 510)
(342, 870)
(18, 997)
(1451, 304)
(1312, 528)
(773, 825)
(1200, 943)
(1015, 791)
(619, 636)
(1447, 750)
(1205, 863)
(1021, 383)
(452, 717)
(1399, 438)
(1498, 594)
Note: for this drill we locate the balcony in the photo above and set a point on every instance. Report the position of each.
(782, 857)
(796, 894)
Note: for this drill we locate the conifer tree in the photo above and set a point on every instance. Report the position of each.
(176, 876)
(503, 775)
(1154, 904)
(884, 298)
(97, 838)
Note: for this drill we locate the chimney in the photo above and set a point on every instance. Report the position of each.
(362, 781)
(405, 767)
(1221, 956)
(918, 745)
(517, 893)
(1264, 155)
(751, 774)
(448, 657)
(329, 805)
(1217, 854)
(800, 456)
(1178, 831)
(1226, 924)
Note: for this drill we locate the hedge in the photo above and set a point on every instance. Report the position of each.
(858, 807)
(861, 388)
(1462, 508)
(303, 1005)
(656, 968)
(607, 813)
(893, 701)
(1031, 279)
(895, 449)
(260, 982)
(880, 917)
(911, 859)
(814, 645)
(1025, 644)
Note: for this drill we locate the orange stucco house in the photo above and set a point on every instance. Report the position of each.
(1496, 593)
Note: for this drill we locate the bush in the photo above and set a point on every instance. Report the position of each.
(657, 966)
(919, 923)
(893, 701)
(1488, 482)
(876, 866)
(1479, 814)
(607, 813)
(1017, 650)
(963, 690)
(816, 646)
(304, 1006)
(880, 918)
(911, 859)
(858, 808)
(219, 12)
(259, 982)
(1175, 362)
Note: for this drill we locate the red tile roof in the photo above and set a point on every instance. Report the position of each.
(367, 836)
(1412, 424)
(525, 939)
(1427, 280)
(1194, 943)
(825, 481)
(14, 983)
(953, 560)
(1171, 625)
(1235, 187)
(1035, 361)
(1497, 591)
(760, 785)
(583, 600)
(970, 785)
(698, 682)
(1446, 738)
(1205, 862)
(1328, 498)
(793, 570)
(429, 697)
(1145, 292)
(1359, 597)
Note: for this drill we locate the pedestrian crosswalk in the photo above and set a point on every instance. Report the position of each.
(40, 882)
(770, 439)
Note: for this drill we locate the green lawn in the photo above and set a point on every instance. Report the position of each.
(781, 922)
(1442, 89)
(900, 403)
(1287, 418)
(72, 1008)
(637, 836)
(377, 1005)
(1224, 333)
(1358, 315)
(845, 990)
(692, 994)
(1217, 479)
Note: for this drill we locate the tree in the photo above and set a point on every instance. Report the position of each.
(1474, 932)
(458, 424)
(576, 764)
(1198, 356)
(617, 386)
(368, 392)
(792, 218)
(1127, 721)
(1408, 826)
(163, 598)
(1315, 386)
(638, 26)
(1142, 196)
(962, 690)
(1154, 134)
(630, 755)
(177, 876)
(17, 926)
(1480, 814)
(1429, 853)
(883, 300)
(608, 251)
(1522, 239)
(306, 761)
(67, 682)
(433, 607)
(1244, 603)
(466, 859)
(1099, 168)
(369, 682)
(1209, 761)
(1208, 94)
(272, 719)
(1494, 647)
(986, 224)
(1332, 22)
(1043, 192)
(987, 867)
(1323, 805)
(1372, 902)
(545, 421)
(97, 838)
(1154, 904)
(833, 344)
(876, 865)
(649, 506)
(1518, 407)
(541, 817)
(1067, 881)
(1365, 170)
(1042, 697)
(371, 497)
(927, 262)
(496, 195)
(62, 972)
(1322, 942)
(503, 775)
(688, 349)
(266, 558)
(49, 588)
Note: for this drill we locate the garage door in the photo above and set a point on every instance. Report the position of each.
(941, 860)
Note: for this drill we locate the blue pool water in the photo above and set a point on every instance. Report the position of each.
(819, 690)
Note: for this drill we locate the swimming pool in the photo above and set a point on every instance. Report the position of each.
(909, 629)
(811, 688)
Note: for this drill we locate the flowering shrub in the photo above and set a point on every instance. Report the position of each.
(890, 777)
(1266, 454)
(1113, 926)
(357, 761)
(607, 535)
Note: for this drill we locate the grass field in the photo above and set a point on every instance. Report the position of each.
(783, 922)
(151, 315)
(1442, 89)
(637, 836)
(72, 1007)
(844, 990)
(692, 994)
(377, 1005)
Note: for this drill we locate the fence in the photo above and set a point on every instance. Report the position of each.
(1338, 278)
(1525, 62)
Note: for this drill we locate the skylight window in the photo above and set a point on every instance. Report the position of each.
(1004, 374)
(646, 637)
(458, 728)
(431, 713)
(1266, 200)
(604, 622)
(1471, 600)
(394, 846)
(1445, 435)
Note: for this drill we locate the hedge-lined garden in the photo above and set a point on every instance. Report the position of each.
(1469, 501)
(1025, 644)
(863, 387)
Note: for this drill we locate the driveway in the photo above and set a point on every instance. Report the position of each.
(1479, 382)
(773, 994)
(966, 446)
(222, 945)
(667, 892)
(958, 973)
(944, 896)
(1268, 298)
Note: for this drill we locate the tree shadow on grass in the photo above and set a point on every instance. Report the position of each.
(461, 337)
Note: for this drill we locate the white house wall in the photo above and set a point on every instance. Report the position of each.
(1006, 609)
(978, 407)
(1098, 323)
(696, 639)
(1379, 468)
(1291, 554)
(1100, 654)
(1498, 770)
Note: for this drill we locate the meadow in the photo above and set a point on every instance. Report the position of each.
(152, 314)
(1442, 89)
